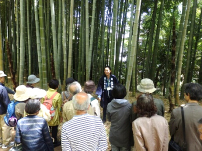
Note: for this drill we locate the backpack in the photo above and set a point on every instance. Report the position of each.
(10, 117)
(48, 102)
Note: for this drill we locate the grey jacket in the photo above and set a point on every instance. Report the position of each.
(119, 112)
(159, 105)
(192, 114)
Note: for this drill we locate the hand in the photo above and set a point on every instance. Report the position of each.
(99, 99)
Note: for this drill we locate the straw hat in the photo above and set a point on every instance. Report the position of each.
(146, 86)
(2, 74)
(32, 79)
(22, 93)
(37, 93)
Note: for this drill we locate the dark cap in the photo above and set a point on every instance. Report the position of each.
(69, 81)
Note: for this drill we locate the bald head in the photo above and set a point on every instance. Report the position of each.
(74, 88)
(81, 101)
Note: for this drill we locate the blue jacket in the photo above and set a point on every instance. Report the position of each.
(32, 132)
(4, 99)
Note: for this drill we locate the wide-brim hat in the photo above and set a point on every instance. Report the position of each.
(146, 86)
(37, 93)
(2, 74)
(89, 86)
(22, 93)
(32, 79)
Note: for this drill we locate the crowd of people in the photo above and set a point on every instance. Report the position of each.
(140, 124)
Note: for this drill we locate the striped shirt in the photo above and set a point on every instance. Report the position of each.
(32, 132)
(84, 133)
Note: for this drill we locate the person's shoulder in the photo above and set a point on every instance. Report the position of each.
(112, 75)
(158, 100)
(68, 103)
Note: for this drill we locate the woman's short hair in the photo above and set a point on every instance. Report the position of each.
(32, 106)
(54, 83)
(119, 91)
(194, 90)
(145, 105)
(89, 86)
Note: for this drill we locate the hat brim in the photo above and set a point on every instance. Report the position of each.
(37, 93)
(35, 81)
(4, 75)
(145, 90)
(23, 97)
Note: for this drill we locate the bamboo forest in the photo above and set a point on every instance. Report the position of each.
(156, 39)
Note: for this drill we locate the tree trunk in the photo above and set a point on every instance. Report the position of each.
(189, 47)
(1, 48)
(91, 37)
(113, 42)
(64, 43)
(156, 43)
(134, 46)
(70, 39)
(151, 33)
(38, 39)
(87, 41)
(55, 52)
(181, 53)
(179, 37)
(22, 41)
(43, 46)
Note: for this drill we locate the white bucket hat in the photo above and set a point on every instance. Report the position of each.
(22, 93)
(32, 79)
(146, 86)
(37, 93)
(2, 74)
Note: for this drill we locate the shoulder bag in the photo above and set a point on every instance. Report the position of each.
(173, 146)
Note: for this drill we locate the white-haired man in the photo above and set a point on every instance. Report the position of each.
(83, 131)
(68, 108)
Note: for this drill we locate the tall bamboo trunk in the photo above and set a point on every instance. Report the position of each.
(179, 37)
(134, 46)
(55, 52)
(70, 39)
(22, 41)
(38, 39)
(64, 43)
(113, 41)
(91, 39)
(156, 43)
(87, 40)
(29, 37)
(151, 33)
(1, 48)
(43, 46)
(190, 44)
(181, 53)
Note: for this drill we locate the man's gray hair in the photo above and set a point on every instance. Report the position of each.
(77, 85)
(81, 107)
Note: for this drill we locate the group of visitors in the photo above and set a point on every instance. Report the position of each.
(140, 124)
